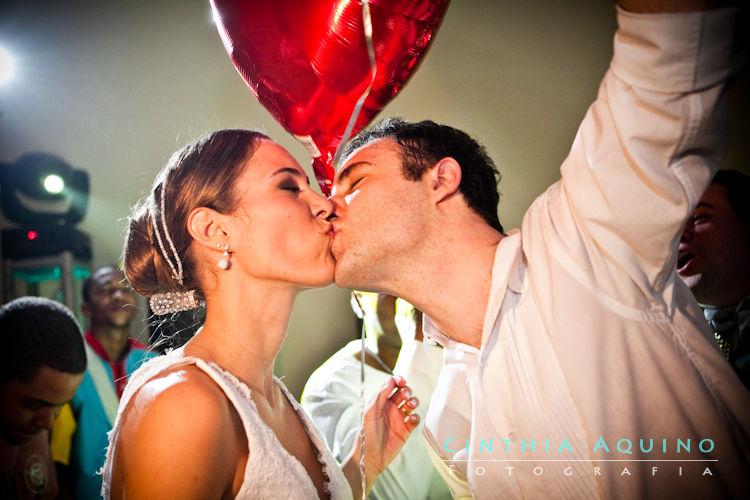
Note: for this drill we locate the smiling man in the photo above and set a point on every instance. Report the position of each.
(572, 337)
(109, 304)
(714, 261)
(42, 361)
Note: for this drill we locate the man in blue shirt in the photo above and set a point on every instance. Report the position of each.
(110, 304)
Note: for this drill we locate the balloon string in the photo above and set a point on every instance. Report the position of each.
(367, 22)
(362, 406)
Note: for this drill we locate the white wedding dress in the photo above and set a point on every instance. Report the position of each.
(271, 471)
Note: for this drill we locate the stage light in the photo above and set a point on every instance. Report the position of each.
(43, 253)
(40, 188)
(7, 65)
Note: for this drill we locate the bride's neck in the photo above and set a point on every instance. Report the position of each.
(243, 334)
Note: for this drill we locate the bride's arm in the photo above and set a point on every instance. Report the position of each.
(386, 431)
(177, 440)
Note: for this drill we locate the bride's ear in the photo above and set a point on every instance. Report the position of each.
(207, 227)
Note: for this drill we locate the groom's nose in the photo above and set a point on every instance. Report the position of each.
(337, 207)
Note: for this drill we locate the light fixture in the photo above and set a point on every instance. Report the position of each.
(41, 188)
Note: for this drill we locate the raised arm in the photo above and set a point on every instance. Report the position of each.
(644, 153)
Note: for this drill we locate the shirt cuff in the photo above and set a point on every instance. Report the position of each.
(420, 366)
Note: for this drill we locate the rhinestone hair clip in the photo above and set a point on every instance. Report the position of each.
(171, 302)
(176, 270)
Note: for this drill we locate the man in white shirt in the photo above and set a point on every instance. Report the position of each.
(576, 363)
(332, 393)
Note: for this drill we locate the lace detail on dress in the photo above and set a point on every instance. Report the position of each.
(312, 432)
(316, 438)
(271, 470)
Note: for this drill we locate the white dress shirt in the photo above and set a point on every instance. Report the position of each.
(597, 375)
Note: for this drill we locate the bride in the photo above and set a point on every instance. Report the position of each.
(232, 222)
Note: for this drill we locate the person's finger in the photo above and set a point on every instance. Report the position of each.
(391, 386)
(411, 421)
(390, 392)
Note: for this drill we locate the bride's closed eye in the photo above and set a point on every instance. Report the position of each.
(290, 186)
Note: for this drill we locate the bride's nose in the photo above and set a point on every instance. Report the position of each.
(322, 207)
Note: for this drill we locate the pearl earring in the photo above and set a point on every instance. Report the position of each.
(224, 261)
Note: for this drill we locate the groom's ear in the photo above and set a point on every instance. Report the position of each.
(445, 178)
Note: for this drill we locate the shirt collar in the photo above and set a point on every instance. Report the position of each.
(721, 318)
(98, 349)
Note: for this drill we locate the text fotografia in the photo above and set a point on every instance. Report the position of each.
(624, 446)
(539, 471)
(622, 457)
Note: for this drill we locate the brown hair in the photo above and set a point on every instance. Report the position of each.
(425, 143)
(201, 174)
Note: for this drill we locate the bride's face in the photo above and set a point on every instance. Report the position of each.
(280, 222)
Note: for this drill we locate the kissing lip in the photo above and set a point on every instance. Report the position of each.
(333, 249)
(327, 228)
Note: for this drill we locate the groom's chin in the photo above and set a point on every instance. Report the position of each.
(343, 276)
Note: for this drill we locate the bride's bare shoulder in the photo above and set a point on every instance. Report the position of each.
(179, 420)
(182, 389)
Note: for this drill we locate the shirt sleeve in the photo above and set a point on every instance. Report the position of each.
(645, 151)
(331, 399)
(420, 365)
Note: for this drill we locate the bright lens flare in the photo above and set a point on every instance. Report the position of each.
(54, 184)
(6, 65)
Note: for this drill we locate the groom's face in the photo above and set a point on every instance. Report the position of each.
(378, 216)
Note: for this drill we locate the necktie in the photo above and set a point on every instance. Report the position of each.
(729, 324)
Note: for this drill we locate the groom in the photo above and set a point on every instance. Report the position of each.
(576, 364)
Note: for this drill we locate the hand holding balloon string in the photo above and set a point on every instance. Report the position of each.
(389, 420)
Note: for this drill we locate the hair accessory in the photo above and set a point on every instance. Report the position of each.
(176, 270)
(224, 261)
(171, 302)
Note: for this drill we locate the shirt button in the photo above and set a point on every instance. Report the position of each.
(512, 437)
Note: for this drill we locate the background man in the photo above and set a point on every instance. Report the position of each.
(42, 361)
(575, 334)
(714, 261)
(331, 397)
(109, 304)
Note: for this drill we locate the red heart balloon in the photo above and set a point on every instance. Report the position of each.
(308, 64)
